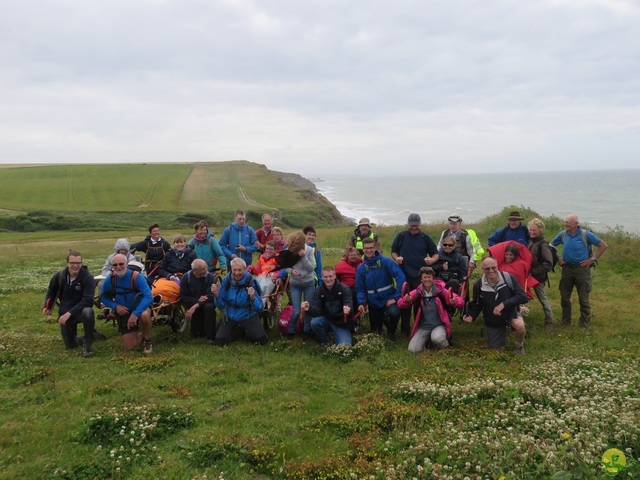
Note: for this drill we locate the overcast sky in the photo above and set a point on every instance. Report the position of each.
(386, 87)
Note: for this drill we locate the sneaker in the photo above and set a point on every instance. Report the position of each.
(147, 347)
(519, 349)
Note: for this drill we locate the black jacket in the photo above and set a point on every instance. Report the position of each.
(192, 288)
(173, 262)
(509, 292)
(330, 303)
(73, 297)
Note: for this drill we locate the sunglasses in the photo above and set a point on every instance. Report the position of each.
(448, 245)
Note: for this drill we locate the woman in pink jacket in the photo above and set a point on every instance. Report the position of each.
(432, 322)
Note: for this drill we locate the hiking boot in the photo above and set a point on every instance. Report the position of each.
(548, 325)
(565, 322)
(519, 349)
(584, 324)
(147, 347)
(99, 336)
(80, 341)
(87, 352)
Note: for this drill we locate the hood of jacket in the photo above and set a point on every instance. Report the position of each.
(121, 244)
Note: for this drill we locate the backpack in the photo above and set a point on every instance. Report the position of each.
(421, 235)
(247, 283)
(114, 286)
(584, 239)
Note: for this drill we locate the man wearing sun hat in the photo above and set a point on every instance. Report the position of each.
(362, 231)
(513, 231)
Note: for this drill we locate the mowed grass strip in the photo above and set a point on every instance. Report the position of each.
(93, 187)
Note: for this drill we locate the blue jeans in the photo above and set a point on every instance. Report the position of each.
(321, 327)
(297, 293)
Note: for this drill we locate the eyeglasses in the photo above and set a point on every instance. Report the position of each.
(118, 264)
(448, 245)
(488, 269)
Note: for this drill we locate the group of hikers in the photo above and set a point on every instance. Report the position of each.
(422, 279)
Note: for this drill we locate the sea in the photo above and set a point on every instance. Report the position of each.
(602, 200)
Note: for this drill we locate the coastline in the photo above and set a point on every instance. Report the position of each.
(603, 200)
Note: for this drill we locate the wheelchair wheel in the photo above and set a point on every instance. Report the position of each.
(178, 322)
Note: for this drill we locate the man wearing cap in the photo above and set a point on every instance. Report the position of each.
(362, 231)
(413, 249)
(514, 231)
(464, 245)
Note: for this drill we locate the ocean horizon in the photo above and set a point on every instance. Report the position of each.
(602, 200)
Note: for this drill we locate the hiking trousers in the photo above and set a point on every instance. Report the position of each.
(69, 330)
(573, 275)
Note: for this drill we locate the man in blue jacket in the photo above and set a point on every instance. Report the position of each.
(239, 240)
(127, 293)
(379, 282)
(514, 231)
(239, 297)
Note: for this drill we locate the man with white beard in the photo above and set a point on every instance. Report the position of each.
(127, 293)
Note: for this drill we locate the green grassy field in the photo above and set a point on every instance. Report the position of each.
(116, 197)
(291, 410)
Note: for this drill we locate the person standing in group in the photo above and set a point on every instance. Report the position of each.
(498, 296)
(74, 286)
(463, 243)
(576, 262)
(542, 265)
(310, 238)
(413, 249)
(513, 231)
(278, 239)
(302, 279)
(238, 240)
(379, 283)
(207, 247)
(362, 231)
(265, 233)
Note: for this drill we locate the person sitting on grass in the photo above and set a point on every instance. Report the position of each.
(330, 309)
(127, 293)
(266, 262)
(121, 247)
(498, 295)
(199, 302)
(154, 247)
(433, 322)
(239, 297)
(451, 267)
(74, 287)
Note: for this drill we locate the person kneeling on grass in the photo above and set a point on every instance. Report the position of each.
(330, 309)
(239, 297)
(432, 322)
(74, 286)
(128, 294)
(498, 295)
